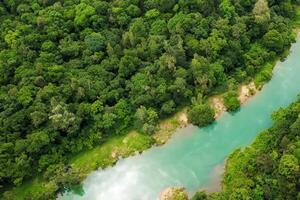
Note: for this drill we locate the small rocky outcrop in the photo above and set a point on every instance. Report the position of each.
(174, 193)
(218, 104)
(247, 91)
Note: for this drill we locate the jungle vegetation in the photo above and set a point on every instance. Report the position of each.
(74, 73)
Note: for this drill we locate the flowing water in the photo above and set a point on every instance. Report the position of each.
(193, 158)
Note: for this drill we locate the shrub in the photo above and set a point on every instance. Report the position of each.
(201, 114)
(231, 101)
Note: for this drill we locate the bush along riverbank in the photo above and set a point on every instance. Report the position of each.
(79, 76)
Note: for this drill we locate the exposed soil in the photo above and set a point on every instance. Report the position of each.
(167, 127)
(183, 119)
(172, 193)
(218, 105)
(247, 91)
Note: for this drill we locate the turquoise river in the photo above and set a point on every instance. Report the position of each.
(194, 157)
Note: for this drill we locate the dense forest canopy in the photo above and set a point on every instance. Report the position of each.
(270, 167)
(73, 73)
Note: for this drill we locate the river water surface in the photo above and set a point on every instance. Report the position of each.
(193, 157)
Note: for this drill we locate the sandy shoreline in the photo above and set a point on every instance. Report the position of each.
(246, 91)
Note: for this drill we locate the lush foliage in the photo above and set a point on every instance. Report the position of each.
(73, 73)
(200, 195)
(270, 167)
(231, 101)
(200, 113)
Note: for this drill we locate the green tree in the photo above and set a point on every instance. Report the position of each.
(36, 141)
(201, 114)
(203, 73)
(159, 27)
(288, 166)
(153, 13)
(168, 107)
(261, 11)
(83, 12)
(95, 42)
(227, 9)
(252, 60)
(146, 119)
(231, 101)
(25, 95)
(273, 40)
(138, 29)
(61, 118)
(68, 47)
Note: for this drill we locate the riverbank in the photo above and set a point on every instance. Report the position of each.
(123, 146)
(119, 147)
